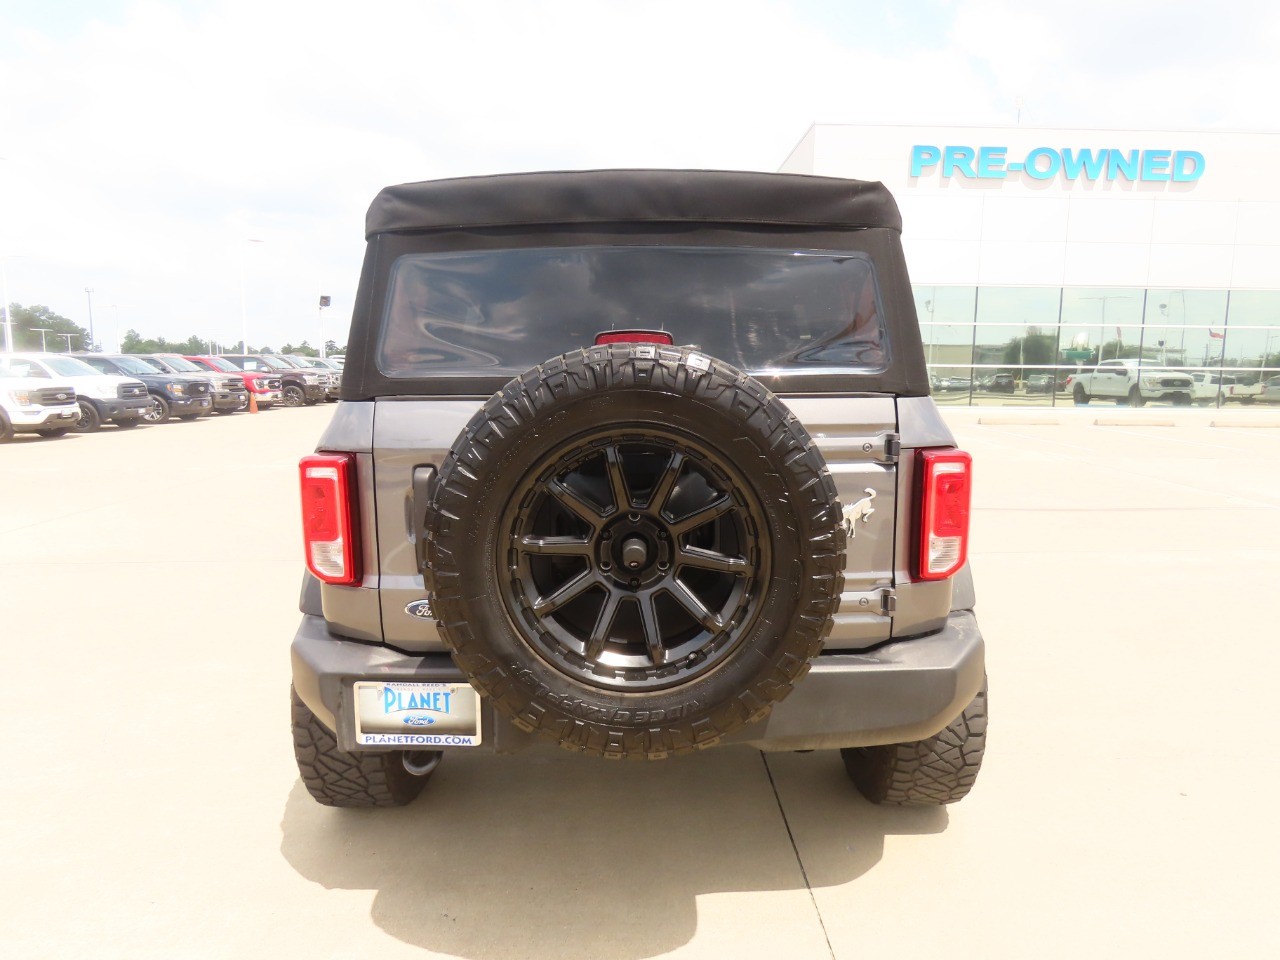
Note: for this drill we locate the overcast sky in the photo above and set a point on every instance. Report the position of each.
(144, 143)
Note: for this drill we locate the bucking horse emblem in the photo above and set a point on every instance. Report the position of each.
(862, 510)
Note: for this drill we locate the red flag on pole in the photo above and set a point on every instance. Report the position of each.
(1216, 335)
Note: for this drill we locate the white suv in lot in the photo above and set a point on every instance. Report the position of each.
(101, 396)
(25, 407)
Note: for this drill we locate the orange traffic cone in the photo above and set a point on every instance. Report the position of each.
(253, 402)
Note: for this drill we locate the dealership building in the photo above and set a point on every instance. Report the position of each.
(1034, 251)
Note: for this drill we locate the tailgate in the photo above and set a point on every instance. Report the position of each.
(857, 436)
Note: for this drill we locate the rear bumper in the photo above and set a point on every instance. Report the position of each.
(903, 691)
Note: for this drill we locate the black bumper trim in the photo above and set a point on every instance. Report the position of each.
(902, 691)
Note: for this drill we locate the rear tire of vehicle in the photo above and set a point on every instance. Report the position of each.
(1246, 400)
(159, 411)
(340, 779)
(54, 431)
(188, 417)
(654, 686)
(294, 396)
(1081, 398)
(1183, 400)
(90, 420)
(924, 773)
(129, 423)
(1135, 398)
(6, 429)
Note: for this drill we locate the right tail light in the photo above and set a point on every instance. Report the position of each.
(329, 530)
(945, 482)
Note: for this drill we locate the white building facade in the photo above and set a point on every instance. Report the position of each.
(1034, 251)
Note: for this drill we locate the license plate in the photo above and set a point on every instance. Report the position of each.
(417, 714)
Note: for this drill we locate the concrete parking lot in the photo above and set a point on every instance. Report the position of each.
(1127, 578)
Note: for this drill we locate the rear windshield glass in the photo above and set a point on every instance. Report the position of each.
(502, 311)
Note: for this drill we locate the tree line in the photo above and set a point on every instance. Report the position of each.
(61, 335)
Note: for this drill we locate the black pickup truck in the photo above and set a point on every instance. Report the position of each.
(182, 395)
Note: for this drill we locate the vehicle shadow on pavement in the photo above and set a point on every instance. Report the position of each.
(541, 855)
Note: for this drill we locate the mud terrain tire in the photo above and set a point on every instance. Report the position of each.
(613, 409)
(339, 779)
(941, 769)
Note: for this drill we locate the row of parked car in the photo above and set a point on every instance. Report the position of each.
(55, 393)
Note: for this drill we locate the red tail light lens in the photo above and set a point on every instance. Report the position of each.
(634, 336)
(944, 512)
(330, 536)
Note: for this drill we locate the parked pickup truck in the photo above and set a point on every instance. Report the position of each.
(31, 406)
(229, 391)
(1131, 382)
(1220, 388)
(181, 395)
(266, 390)
(101, 396)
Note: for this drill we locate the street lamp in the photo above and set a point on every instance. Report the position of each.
(324, 302)
(244, 314)
(1119, 340)
(42, 331)
(88, 292)
(67, 337)
(4, 291)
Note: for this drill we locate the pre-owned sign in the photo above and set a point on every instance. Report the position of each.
(1045, 163)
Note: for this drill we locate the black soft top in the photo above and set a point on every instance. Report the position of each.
(633, 196)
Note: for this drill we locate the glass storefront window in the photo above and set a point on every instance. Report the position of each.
(1105, 322)
(1253, 333)
(946, 323)
(1185, 328)
(1015, 346)
(1017, 331)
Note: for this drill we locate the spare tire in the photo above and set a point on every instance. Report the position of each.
(634, 550)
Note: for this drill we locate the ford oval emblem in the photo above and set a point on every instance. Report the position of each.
(421, 609)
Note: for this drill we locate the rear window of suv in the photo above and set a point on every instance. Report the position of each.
(503, 311)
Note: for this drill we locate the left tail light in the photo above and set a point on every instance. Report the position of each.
(330, 533)
(945, 483)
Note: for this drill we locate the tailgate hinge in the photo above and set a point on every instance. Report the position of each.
(892, 448)
(888, 603)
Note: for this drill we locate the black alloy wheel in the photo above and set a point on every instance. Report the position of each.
(89, 419)
(634, 559)
(293, 395)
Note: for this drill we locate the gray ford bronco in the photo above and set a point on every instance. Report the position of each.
(636, 462)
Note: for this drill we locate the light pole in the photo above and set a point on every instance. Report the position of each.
(4, 290)
(42, 331)
(244, 313)
(67, 337)
(115, 313)
(324, 302)
(88, 292)
(1119, 340)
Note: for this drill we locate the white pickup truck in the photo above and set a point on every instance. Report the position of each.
(36, 406)
(1220, 388)
(1132, 382)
